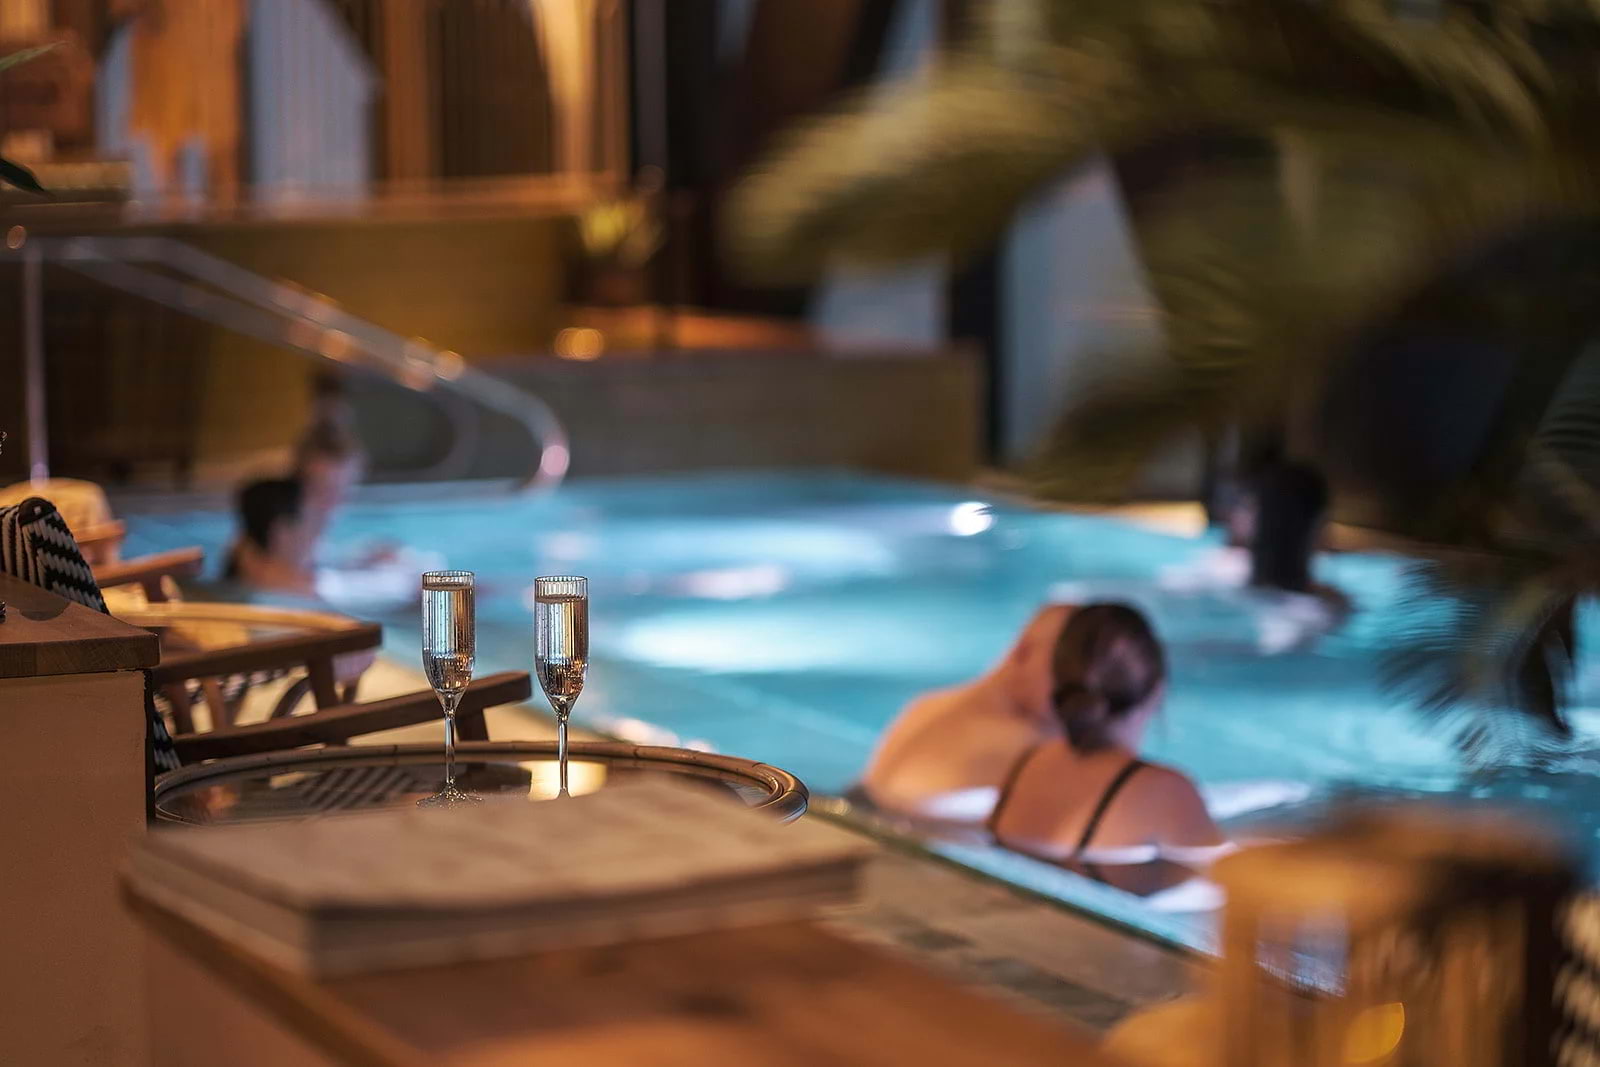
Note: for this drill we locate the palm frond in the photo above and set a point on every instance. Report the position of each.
(1483, 634)
(1096, 451)
(1488, 76)
(11, 172)
(1563, 466)
(932, 167)
(938, 163)
(1253, 304)
(1249, 314)
(16, 58)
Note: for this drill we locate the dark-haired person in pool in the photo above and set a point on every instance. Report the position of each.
(1274, 532)
(266, 553)
(1043, 751)
(282, 520)
(1289, 515)
(1085, 797)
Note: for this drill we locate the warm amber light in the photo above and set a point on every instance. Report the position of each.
(1375, 1033)
(580, 342)
(335, 344)
(16, 236)
(448, 365)
(545, 778)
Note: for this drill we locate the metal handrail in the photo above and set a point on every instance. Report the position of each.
(278, 313)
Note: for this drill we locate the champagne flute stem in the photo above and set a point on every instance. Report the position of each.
(449, 750)
(561, 751)
(449, 702)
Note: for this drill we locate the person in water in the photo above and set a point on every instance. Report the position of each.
(946, 753)
(1044, 750)
(1288, 517)
(1274, 531)
(282, 520)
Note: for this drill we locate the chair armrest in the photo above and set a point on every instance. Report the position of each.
(334, 725)
(149, 570)
(274, 653)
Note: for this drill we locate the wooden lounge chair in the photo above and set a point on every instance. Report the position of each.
(338, 724)
(155, 575)
(218, 655)
(214, 654)
(83, 505)
(86, 510)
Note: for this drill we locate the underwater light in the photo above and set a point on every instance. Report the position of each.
(971, 517)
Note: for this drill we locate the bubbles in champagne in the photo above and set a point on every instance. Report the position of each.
(561, 646)
(448, 633)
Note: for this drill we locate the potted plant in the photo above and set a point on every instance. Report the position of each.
(617, 239)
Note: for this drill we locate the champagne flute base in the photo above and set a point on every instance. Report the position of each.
(450, 794)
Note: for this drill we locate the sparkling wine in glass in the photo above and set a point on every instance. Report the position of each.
(561, 650)
(449, 640)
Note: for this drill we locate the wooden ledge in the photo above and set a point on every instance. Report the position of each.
(46, 635)
(765, 996)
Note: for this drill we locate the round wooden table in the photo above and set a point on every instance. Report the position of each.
(310, 782)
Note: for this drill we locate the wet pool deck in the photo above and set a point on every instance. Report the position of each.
(1037, 954)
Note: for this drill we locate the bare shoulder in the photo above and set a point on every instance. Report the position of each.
(1174, 804)
(909, 733)
(933, 702)
(1169, 783)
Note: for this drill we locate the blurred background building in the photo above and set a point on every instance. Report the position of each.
(486, 174)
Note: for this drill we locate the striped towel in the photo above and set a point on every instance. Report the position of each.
(37, 546)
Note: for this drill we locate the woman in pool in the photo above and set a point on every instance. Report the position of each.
(1043, 751)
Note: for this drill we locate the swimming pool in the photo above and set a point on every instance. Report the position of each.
(786, 617)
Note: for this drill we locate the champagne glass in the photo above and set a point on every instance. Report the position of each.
(449, 642)
(561, 650)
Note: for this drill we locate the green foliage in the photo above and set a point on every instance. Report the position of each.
(1489, 632)
(1401, 142)
(13, 173)
(1413, 141)
(18, 58)
(21, 177)
(624, 233)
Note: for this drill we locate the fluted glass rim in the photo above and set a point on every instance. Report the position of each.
(448, 579)
(560, 585)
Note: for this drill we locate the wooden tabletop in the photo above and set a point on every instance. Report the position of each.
(44, 634)
(788, 995)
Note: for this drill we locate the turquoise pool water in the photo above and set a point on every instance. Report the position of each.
(786, 617)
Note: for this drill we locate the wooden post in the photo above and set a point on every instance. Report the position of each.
(72, 780)
(407, 102)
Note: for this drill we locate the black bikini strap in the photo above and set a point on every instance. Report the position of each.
(1008, 785)
(1106, 798)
